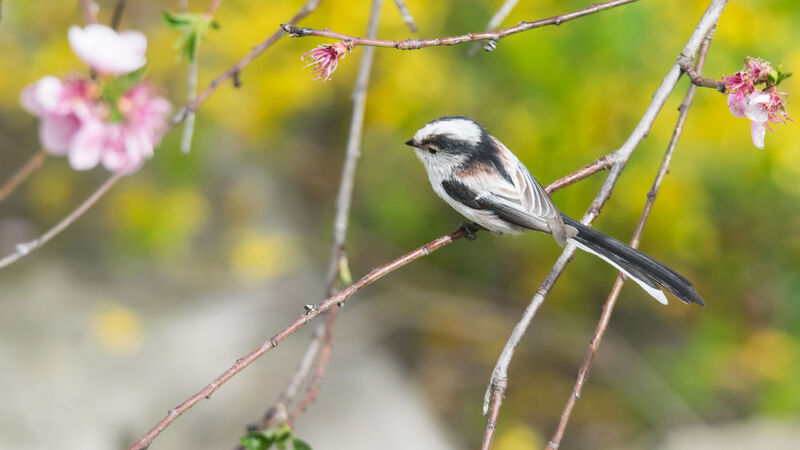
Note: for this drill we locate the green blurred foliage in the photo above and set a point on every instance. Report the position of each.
(560, 97)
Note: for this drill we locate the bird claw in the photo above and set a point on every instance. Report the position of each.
(470, 228)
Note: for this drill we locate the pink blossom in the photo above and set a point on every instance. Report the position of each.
(61, 107)
(746, 100)
(325, 59)
(760, 108)
(122, 146)
(758, 68)
(107, 51)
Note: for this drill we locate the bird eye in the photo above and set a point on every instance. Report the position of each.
(432, 149)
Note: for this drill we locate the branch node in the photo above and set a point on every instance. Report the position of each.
(310, 308)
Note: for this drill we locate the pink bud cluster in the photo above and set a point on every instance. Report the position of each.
(88, 121)
(325, 58)
(760, 106)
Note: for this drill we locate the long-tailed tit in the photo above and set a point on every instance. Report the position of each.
(478, 176)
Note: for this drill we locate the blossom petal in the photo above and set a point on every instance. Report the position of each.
(758, 132)
(57, 132)
(107, 51)
(88, 145)
(43, 96)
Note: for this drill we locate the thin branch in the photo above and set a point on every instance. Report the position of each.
(608, 307)
(313, 311)
(494, 22)
(697, 79)
(191, 86)
(338, 299)
(324, 330)
(212, 7)
(89, 10)
(492, 36)
(116, 18)
(407, 17)
(27, 247)
(234, 70)
(499, 379)
(22, 174)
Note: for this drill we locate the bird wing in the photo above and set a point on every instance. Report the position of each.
(518, 199)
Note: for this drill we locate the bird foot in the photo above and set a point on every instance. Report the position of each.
(470, 228)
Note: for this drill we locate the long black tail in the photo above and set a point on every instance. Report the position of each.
(646, 271)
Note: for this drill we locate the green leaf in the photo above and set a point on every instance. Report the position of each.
(300, 444)
(193, 27)
(176, 20)
(257, 440)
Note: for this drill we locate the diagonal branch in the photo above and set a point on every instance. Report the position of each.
(499, 379)
(321, 344)
(491, 36)
(89, 12)
(407, 17)
(25, 248)
(313, 311)
(22, 174)
(608, 307)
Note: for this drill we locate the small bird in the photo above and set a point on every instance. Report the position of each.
(479, 176)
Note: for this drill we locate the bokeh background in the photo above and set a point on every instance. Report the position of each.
(197, 258)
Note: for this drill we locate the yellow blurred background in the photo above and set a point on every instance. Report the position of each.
(250, 210)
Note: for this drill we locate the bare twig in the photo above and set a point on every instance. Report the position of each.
(27, 247)
(234, 70)
(212, 7)
(89, 10)
(608, 307)
(30, 166)
(407, 17)
(494, 22)
(339, 298)
(499, 379)
(116, 18)
(492, 36)
(693, 73)
(324, 330)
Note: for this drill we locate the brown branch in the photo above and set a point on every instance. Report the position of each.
(494, 22)
(407, 17)
(116, 17)
(608, 307)
(88, 15)
(499, 379)
(338, 299)
(321, 344)
(313, 311)
(27, 247)
(22, 174)
(694, 74)
(213, 7)
(492, 36)
(234, 70)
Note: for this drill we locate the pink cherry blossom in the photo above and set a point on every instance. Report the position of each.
(760, 106)
(61, 107)
(107, 51)
(122, 146)
(325, 58)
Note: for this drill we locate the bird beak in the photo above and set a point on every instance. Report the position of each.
(410, 143)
